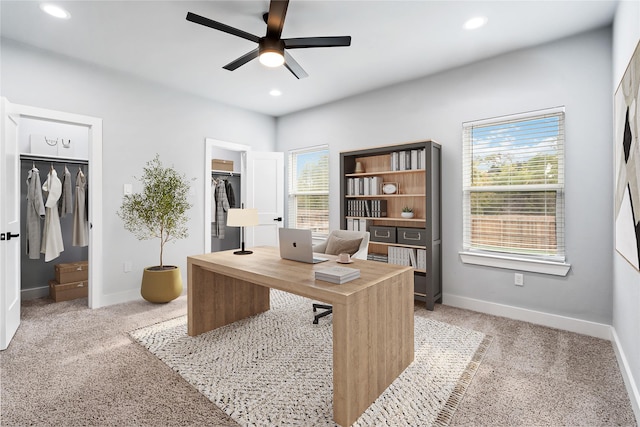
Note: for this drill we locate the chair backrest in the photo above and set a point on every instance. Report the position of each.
(363, 250)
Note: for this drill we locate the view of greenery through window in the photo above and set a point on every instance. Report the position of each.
(514, 188)
(309, 190)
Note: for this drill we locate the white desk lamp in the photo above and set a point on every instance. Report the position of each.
(242, 218)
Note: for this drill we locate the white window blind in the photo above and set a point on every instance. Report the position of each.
(513, 184)
(308, 204)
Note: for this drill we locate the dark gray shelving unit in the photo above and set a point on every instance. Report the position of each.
(416, 188)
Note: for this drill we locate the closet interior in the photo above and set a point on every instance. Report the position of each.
(225, 194)
(54, 209)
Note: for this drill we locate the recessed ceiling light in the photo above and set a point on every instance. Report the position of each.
(275, 92)
(54, 10)
(475, 22)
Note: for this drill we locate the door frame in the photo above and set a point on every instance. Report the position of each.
(209, 145)
(94, 127)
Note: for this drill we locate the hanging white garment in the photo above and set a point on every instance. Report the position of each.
(80, 213)
(52, 244)
(35, 213)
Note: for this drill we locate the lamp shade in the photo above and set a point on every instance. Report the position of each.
(242, 217)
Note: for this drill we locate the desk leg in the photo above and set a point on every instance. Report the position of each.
(216, 300)
(372, 344)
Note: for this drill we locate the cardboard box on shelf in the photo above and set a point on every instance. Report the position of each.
(72, 272)
(68, 291)
(222, 165)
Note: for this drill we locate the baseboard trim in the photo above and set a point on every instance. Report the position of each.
(34, 293)
(584, 327)
(627, 375)
(119, 297)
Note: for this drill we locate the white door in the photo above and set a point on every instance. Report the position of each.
(9, 226)
(264, 188)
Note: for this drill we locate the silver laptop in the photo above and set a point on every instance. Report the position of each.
(296, 245)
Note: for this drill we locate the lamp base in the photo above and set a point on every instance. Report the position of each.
(242, 252)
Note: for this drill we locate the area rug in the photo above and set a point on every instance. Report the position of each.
(276, 368)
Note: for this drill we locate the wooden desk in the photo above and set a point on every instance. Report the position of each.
(372, 315)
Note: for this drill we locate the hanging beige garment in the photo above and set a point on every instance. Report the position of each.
(35, 213)
(52, 244)
(80, 221)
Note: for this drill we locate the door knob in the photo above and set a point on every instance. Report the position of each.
(7, 236)
(279, 219)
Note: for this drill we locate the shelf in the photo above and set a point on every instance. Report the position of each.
(396, 244)
(419, 189)
(351, 175)
(384, 196)
(387, 218)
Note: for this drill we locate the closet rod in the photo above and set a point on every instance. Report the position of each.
(53, 159)
(225, 173)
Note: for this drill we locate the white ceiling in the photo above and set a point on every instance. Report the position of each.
(392, 41)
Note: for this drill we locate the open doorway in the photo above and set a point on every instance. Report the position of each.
(14, 117)
(261, 187)
(230, 177)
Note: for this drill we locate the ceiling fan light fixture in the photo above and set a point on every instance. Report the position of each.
(271, 58)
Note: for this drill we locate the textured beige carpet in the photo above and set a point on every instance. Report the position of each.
(276, 368)
(72, 366)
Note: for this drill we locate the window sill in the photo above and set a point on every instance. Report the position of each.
(520, 264)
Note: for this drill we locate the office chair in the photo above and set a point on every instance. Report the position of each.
(360, 253)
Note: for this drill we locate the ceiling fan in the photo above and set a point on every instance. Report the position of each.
(271, 48)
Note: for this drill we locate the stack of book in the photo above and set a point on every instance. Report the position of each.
(408, 160)
(367, 208)
(416, 258)
(366, 186)
(377, 257)
(337, 274)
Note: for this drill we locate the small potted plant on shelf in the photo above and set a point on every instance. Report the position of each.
(407, 212)
(159, 211)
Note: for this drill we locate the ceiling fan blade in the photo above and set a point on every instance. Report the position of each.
(275, 18)
(294, 67)
(242, 60)
(221, 27)
(306, 42)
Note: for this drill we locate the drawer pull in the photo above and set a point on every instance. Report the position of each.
(387, 235)
(406, 236)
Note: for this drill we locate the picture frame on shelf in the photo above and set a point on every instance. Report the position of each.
(390, 188)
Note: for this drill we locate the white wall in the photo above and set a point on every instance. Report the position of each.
(626, 279)
(574, 72)
(140, 119)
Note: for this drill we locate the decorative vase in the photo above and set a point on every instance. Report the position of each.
(161, 285)
(359, 167)
(406, 214)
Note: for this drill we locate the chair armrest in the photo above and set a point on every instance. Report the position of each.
(320, 248)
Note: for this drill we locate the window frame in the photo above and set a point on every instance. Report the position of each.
(554, 265)
(293, 193)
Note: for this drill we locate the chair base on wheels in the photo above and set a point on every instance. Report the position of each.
(328, 308)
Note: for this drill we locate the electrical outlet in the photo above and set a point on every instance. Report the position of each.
(519, 279)
(127, 266)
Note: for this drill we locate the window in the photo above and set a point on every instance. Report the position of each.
(309, 189)
(513, 183)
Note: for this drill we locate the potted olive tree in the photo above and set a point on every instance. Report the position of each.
(158, 212)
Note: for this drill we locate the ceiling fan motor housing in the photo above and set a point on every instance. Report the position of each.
(270, 45)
